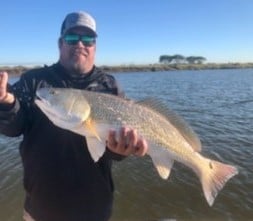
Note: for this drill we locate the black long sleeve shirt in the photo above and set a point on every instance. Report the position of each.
(61, 180)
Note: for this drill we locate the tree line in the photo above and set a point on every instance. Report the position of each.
(178, 59)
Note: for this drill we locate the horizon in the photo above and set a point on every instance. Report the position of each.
(31, 65)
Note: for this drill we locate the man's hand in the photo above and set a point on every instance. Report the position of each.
(5, 96)
(127, 143)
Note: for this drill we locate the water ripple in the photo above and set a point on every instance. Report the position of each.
(217, 104)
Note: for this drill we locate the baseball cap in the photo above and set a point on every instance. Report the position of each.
(79, 19)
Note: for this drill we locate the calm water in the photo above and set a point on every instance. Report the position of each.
(219, 106)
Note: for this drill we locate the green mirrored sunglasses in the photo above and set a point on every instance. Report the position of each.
(73, 39)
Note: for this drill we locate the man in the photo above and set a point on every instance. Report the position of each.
(61, 180)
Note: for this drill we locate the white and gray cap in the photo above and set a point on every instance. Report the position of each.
(79, 19)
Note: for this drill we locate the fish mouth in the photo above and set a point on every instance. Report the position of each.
(42, 93)
(41, 99)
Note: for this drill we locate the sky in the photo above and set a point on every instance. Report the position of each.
(130, 31)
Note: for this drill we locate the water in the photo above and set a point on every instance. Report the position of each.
(219, 106)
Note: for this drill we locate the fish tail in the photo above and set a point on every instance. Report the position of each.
(214, 179)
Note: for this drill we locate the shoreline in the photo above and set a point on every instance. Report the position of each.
(18, 70)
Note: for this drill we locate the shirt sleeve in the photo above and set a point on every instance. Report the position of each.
(113, 156)
(11, 119)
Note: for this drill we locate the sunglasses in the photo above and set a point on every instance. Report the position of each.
(73, 39)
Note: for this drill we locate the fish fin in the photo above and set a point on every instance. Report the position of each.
(90, 124)
(177, 121)
(215, 178)
(96, 147)
(162, 160)
(96, 135)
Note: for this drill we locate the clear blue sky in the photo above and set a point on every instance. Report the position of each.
(131, 31)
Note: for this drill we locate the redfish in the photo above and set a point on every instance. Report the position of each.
(169, 137)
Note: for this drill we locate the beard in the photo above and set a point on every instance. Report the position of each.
(77, 61)
(76, 64)
(78, 67)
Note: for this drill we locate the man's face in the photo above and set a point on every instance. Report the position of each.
(77, 50)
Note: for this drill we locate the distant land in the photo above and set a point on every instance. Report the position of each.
(18, 70)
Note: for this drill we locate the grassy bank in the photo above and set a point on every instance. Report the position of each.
(17, 70)
(173, 67)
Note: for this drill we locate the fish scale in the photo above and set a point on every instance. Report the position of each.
(137, 117)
